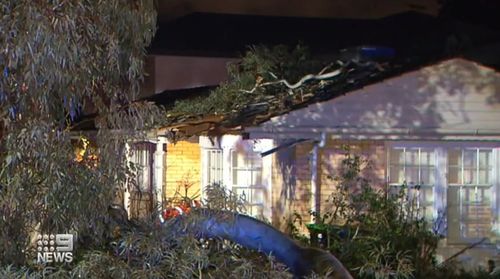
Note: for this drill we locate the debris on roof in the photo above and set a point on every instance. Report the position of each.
(258, 89)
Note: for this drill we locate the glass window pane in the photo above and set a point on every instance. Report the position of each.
(394, 190)
(234, 159)
(396, 157)
(472, 205)
(428, 212)
(411, 157)
(247, 177)
(427, 157)
(469, 176)
(470, 158)
(396, 174)
(242, 193)
(235, 177)
(258, 195)
(454, 175)
(454, 157)
(484, 176)
(214, 168)
(482, 195)
(142, 160)
(484, 158)
(427, 195)
(427, 175)
(256, 177)
(411, 176)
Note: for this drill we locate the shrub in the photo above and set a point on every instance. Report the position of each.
(374, 233)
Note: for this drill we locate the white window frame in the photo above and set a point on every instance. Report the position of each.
(412, 187)
(249, 201)
(209, 154)
(226, 144)
(441, 178)
(464, 186)
(143, 158)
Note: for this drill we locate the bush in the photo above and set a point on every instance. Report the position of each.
(377, 234)
(374, 233)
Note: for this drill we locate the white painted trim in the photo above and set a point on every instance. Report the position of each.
(267, 174)
(158, 172)
(226, 144)
(441, 188)
(369, 130)
(126, 194)
(315, 201)
(441, 183)
(374, 134)
(496, 193)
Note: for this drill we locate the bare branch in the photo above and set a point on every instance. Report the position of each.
(320, 76)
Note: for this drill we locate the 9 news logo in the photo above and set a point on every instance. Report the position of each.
(54, 248)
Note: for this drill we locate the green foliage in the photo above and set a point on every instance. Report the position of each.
(57, 58)
(219, 197)
(377, 234)
(372, 232)
(259, 64)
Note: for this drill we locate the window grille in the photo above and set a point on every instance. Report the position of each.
(414, 168)
(142, 157)
(214, 166)
(470, 184)
(246, 177)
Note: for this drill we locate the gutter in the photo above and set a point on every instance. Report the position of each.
(376, 134)
(361, 130)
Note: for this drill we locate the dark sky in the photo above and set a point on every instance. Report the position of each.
(461, 26)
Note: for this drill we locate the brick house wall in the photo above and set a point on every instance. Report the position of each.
(182, 167)
(291, 175)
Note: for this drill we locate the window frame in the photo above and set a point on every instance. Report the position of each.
(144, 149)
(257, 186)
(412, 187)
(463, 186)
(441, 180)
(207, 153)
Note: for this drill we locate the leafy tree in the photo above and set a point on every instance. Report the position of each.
(57, 58)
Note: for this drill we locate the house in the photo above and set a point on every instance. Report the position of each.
(435, 127)
(195, 41)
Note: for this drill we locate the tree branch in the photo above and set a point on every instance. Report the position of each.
(320, 76)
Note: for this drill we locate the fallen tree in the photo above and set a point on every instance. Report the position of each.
(257, 235)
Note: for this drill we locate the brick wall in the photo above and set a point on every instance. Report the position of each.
(182, 166)
(291, 191)
(298, 165)
(372, 153)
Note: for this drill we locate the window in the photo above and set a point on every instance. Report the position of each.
(415, 168)
(470, 173)
(246, 177)
(142, 157)
(141, 194)
(214, 166)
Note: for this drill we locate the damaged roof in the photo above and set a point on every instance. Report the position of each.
(356, 72)
(357, 67)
